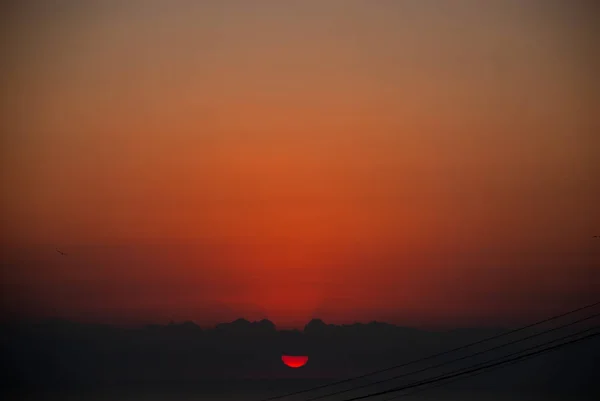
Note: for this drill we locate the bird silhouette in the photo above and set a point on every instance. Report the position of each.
(61, 252)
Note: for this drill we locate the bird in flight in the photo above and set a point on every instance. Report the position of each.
(61, 252)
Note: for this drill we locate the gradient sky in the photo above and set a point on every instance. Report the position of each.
(419, 162)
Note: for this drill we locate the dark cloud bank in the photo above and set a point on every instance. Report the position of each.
(58, 356)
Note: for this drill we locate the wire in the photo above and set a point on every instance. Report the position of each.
(465, 372)
(454, 360)
(491, 369)
(433, 355)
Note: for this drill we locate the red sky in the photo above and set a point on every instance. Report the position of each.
(403, 161)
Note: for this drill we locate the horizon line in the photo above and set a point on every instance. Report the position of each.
(214, 326)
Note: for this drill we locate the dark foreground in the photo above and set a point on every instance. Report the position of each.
(261, 390)
(61, 360)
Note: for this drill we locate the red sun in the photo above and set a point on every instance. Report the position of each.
(294, 361)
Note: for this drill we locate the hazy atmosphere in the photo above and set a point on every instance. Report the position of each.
(419, 162)
(303, 200)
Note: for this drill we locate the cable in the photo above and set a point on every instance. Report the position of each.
(491, 369)
(450, 376)
(433, 355)
(454, 360)
(488, 368)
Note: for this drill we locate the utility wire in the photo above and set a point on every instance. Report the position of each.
(455, 360)
(465, 372)
(506, 333)
(494, 368)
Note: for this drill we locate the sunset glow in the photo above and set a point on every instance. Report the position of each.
(346, 160)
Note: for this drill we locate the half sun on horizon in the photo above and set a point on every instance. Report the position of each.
(294, 361)
(259, 182)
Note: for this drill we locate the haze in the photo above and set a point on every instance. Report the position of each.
(418, 162)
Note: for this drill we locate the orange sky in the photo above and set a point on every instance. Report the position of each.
(411, 161)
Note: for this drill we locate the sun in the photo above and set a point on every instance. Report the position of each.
(296, 361)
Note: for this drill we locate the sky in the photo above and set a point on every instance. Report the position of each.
(419, 162)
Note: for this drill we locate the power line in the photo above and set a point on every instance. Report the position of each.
(494, 368)
(465, 372)
(506, 333)
(454, 360)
